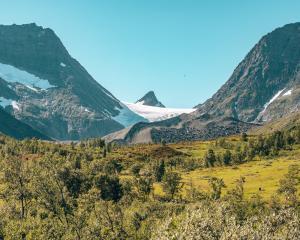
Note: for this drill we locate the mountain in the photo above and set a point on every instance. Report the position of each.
(44, 87)
(264, 87)
(150, 100)
(14, 128)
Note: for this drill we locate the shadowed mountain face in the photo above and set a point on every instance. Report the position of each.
(49, 90)
(150, 100)
(14, 128)
(265, 86)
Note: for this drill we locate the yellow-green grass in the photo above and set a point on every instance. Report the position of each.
(261, 176)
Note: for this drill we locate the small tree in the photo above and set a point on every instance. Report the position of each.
(216, 185)
(159, 170)
(172, 184)
(135, 169)
(16, 179)
(210, 158)
(104, 152)
(113, 167)
(244, 137)
(110, 188)
(144, 186)
(227, 157)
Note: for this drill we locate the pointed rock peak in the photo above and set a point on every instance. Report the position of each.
(150, 100)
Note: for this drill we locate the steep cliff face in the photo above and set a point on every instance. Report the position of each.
(49, 89)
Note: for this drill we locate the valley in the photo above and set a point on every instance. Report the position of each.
(78, 162)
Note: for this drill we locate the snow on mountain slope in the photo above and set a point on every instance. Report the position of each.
(12, 74)
(4, 102)
(128, 117)
(154, 114)
(274, 98)
(288, 93)
(9, 102)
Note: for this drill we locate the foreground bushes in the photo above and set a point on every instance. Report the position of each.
(78, 191)
(214, 220)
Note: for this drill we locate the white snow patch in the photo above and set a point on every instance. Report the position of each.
(63, 64)
(260, 115)
(140, 102)
(127, 117)
(287, 93)
(32, 88)
(12, 74)
(272, 99)
(154, 114)
(4, 102)
(15, 105)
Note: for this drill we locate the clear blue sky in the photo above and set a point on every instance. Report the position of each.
(183, 50)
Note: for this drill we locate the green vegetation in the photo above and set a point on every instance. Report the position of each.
(232, 188)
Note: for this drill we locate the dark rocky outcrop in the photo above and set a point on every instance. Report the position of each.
(150, 100)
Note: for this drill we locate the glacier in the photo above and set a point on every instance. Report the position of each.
(12, 74)
(153, 114)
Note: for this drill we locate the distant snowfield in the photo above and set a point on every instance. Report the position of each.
(154, 114)
(12, 74)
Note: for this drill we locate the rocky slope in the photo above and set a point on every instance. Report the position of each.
(264, 87)
(43, 86)
(150, 99)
